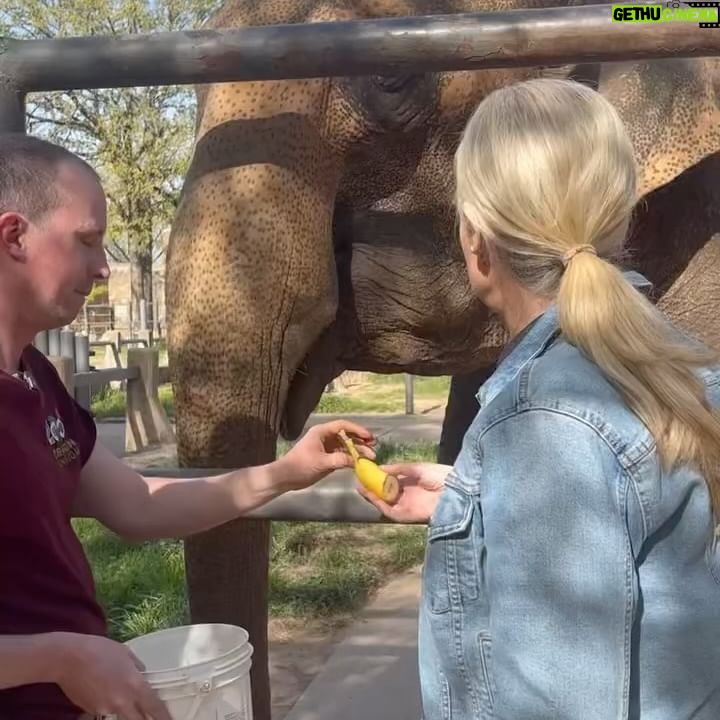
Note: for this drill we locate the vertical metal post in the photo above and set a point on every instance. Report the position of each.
(82, 353)
(41, 342)
(82, 365)
(12, 108)
(409, 395)
(54, 342)
(67, 345)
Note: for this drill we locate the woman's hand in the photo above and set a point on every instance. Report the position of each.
(420, 487)
(320, 451)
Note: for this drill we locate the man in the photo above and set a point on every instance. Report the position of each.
(55, 659)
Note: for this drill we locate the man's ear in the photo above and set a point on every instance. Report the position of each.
(13, 229)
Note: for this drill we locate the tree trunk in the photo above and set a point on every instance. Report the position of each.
(141, 287)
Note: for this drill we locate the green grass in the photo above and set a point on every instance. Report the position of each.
(316, 569)
(381, 394)
(110, 402)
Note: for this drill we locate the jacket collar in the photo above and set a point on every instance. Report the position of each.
(543, 332)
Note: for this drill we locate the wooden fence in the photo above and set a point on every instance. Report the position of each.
(146, 422)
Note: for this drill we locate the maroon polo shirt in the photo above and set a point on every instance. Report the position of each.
(46, 583)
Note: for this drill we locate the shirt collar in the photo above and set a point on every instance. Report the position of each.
(544, 330)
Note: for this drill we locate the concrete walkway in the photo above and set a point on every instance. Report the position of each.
(372, 671)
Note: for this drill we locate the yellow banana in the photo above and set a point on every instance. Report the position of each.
(370, 475)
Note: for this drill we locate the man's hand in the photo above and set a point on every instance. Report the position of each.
(420, 488)
(320, 451)
(103, 678)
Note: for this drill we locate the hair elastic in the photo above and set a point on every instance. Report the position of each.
(570, 254)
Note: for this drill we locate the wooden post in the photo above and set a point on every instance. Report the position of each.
(146, 423)
(409, 395)
(65, 367)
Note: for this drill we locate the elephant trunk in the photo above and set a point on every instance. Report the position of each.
(250, 288)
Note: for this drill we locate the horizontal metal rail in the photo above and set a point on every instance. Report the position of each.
(334, 499)
(387, 46)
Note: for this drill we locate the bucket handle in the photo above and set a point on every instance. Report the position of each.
(203, 687)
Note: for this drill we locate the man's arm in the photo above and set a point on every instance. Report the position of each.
(560, 570)
(144, 508)
(97, 674)
(28, 659)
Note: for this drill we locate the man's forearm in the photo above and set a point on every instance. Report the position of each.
(27, 659)
(178, 507)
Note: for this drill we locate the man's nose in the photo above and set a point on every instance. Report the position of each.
(103, 271)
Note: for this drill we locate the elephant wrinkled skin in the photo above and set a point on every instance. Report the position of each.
(315, 233)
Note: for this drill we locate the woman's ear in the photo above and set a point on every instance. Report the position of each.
(480, 247)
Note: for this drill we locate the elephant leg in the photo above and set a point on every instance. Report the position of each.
(676, 243)
(462, 406)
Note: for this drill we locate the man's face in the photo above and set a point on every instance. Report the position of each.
(64, 252)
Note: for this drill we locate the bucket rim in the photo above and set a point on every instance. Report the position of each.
(219, 661)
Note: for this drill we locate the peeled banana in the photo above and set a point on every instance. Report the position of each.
(370, 475)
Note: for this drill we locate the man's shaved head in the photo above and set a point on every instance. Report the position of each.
(28, 172)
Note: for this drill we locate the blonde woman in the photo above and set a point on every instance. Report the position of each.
(572, 569)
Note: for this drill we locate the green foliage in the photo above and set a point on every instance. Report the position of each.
(139, 139)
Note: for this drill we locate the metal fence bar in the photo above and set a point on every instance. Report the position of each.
(41, 342)
(54, 341)
(82, 365)
(386, 46)
(12, 104)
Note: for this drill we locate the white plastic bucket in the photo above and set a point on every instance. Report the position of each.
(201, 672)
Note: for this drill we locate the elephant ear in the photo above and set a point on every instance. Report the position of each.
(671, 108)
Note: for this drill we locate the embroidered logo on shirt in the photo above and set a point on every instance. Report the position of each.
(64, 449)
(27, 378)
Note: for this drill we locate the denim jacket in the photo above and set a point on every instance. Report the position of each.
(566, 576)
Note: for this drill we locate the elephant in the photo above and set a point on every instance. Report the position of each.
(316, 233)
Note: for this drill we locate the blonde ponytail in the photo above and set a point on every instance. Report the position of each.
(545, 173)
(650, 364)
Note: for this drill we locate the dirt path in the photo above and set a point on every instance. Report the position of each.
(298, 652)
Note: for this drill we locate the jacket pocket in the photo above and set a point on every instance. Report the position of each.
(452, 557)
